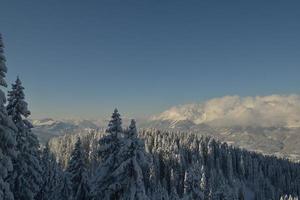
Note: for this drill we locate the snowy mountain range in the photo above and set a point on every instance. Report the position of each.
(48, 128)
(267, 111)
(270, 124)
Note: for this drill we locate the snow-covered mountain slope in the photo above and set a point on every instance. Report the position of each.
(280, 141)
(269, 124)
(48, 128)
(267, 111)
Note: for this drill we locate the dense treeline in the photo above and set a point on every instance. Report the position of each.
(120, 163)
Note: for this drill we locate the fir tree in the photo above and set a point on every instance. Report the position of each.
(63, 190)
(109, 146)
(130, 173)
(122, 172)
(3, 68)
(17, 107)
(7, 135)
(50, 175)
(78, 173)
(27, 171)
(115, 124)
(173, 192)
(192, 184)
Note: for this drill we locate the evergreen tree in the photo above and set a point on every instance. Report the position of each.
(130, 173)
(122, 172)
(3, 68)
(192, 185)
(26, 176)
(241, 195)
(204, 184)
(17, 107)
(115, 124)
(50, 175)
(173, 192)
(78, 173)
(290, 197)
(109, 146)
(63, 190)
(7, 135)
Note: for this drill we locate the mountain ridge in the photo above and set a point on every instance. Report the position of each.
(268, 124)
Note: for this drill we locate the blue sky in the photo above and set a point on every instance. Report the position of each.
(83, 58)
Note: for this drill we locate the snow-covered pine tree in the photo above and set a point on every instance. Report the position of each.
(26, 176)
(63, 190)
(17, 108)
(78, 173)
(121, 173)
(115, 124)
(3, 68)
(130, 174)
(204, 184)
(7, 135)
(290, 197)
(188, 186)
(152, 186)
(109, 146)
(50, 175)
(173, 190)
(137, 145)
(192, 185)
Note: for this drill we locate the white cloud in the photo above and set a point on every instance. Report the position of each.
(265, 111)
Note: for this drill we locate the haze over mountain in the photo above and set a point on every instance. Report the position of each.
(228, 111)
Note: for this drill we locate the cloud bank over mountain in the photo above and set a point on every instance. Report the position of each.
(259, 111)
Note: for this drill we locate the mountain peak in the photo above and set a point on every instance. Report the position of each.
(261, 111)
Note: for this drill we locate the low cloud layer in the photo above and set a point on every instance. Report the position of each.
(264, 111)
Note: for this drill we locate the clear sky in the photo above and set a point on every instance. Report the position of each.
(83, 58)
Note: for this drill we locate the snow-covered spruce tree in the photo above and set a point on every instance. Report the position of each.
(7, 135)
(78, 173)
(192, 182)
(121, 173)
(173, 190)
(50, 175)
(63, 190)
(290, 197)
(130, 173)
(26, 177)
(109, 146)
